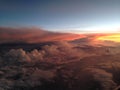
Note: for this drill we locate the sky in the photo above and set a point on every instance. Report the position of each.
(62, 15)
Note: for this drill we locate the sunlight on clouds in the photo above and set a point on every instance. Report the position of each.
(112, 37)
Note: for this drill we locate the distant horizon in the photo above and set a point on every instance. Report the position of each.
(74, 31)
(37, 35)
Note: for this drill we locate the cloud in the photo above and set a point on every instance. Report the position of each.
(37, 35)
(60, 51)
(59, 65)
(100, 77)
(32, 35)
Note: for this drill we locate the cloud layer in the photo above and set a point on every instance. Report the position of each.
(62, 65)
(32, 35)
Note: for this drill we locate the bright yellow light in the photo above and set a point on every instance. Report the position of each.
(112, 37)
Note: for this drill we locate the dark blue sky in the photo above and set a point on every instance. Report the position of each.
(61, 15)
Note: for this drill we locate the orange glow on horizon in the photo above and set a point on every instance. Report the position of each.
(110, 37)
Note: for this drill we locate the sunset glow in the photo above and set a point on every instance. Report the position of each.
(111, 37)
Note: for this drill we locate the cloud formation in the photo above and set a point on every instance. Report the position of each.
(32, 35)
(62, 65)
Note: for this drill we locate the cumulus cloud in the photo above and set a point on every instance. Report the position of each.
(57, 52)
(103, 80)
(61, 65)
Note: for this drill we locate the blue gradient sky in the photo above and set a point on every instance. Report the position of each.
(62, 15)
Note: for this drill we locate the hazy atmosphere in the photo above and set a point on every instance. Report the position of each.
(59, 44)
